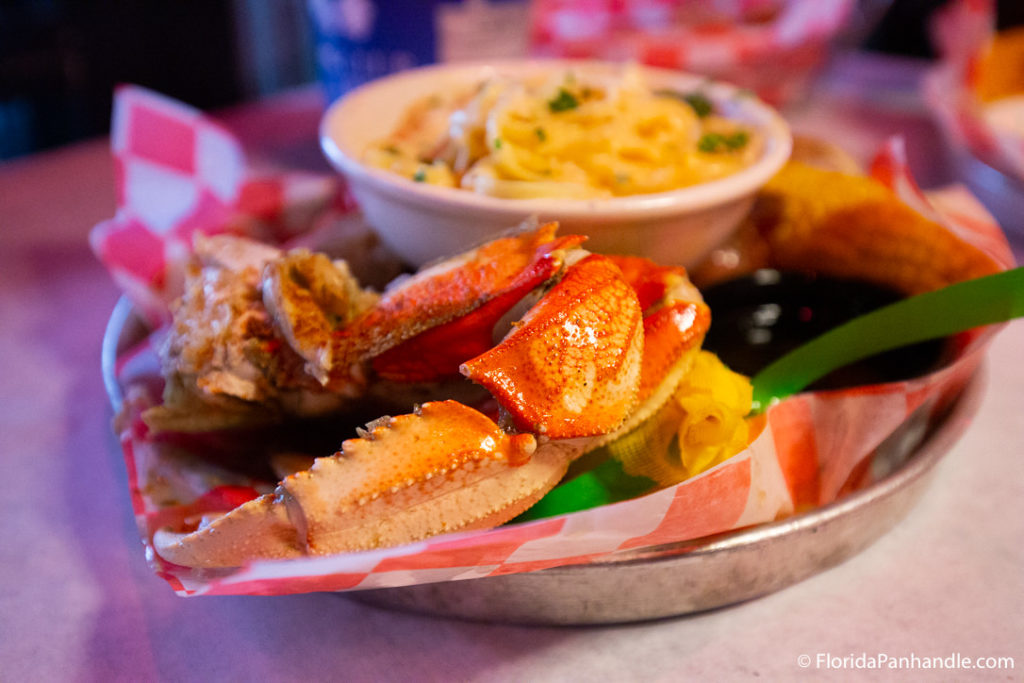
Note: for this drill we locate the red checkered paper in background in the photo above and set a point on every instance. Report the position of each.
(177, 173)
(771, 47)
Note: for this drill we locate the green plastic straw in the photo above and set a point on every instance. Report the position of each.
(962, 306)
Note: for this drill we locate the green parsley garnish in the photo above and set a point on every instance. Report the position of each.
(716, 142)
(564, 101)
(420, 175)
(540, 133)
(497, 143)
(737, 140)
(698, 101)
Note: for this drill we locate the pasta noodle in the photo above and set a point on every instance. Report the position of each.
(565, 137)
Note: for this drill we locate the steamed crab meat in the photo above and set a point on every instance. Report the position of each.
(309, 297)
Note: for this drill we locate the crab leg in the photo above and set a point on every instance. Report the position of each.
(455, 288)
(437, 352)
(443, 468)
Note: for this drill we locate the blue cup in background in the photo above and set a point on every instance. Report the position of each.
(359, 40)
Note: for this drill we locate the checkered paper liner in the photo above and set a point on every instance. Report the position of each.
(769, 46)
(179, 172)
(960, 32)
(811, 450)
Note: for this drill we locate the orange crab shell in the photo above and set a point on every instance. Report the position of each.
(675, 316)
(446, 291)
(670, 332)
(572, 367)
(442, 449)
(437, 353)
(648, 279)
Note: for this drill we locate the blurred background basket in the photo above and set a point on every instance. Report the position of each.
(772, 47)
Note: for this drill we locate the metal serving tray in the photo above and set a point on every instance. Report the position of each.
(678, 578)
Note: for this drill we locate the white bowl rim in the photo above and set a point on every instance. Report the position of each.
(776, 132)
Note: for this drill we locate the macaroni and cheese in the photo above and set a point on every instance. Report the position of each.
(565, 137)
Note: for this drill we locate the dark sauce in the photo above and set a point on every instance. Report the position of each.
(758, 318)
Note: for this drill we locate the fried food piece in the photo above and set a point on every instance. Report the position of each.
(856, 227)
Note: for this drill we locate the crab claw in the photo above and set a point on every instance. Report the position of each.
(443, 468)
(487, 280)
(438, 352)
(572, 366)
(675, 322)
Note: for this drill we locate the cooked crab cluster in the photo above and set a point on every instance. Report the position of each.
(573, 348)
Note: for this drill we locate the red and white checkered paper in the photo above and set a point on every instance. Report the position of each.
(769, 46)
(178, 172)
(812, 447)
(960, 31)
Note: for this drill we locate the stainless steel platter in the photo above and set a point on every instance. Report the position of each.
(678, 578)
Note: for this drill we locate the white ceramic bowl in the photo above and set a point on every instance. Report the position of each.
(421, 222)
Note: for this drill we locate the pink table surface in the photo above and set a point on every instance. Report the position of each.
(77, 601)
